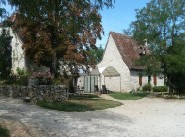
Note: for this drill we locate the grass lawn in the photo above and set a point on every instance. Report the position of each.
(80, 103)
(129, 96)
(4, 132)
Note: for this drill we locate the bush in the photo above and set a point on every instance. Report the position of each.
(20, 78)
(4, 132)
(11, 79)
(159, 89)
(147, 87)
(44, 78)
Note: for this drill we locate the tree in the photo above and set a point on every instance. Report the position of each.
(96, 55)
(162, 23)
(5, 54)
(2, 10)
(59, 30)
(175, 62)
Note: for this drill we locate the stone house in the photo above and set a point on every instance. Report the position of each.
(118, 70)
(19, 59)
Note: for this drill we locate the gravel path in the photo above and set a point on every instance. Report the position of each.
(148, 117)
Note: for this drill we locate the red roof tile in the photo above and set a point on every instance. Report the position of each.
(128, 49)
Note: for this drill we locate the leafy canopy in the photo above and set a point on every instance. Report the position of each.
(59, 30)
(162, 23)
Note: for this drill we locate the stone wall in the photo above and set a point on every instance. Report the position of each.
(35, 93)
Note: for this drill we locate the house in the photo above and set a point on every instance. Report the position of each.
(118, 70)
(19, 59)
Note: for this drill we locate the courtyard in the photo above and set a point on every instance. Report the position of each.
(147, 117)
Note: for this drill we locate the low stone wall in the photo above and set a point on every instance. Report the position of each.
(35, 93)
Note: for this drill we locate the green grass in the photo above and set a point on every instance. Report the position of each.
(4, 132)
(80, 103)
(129, 96)
(84, 96)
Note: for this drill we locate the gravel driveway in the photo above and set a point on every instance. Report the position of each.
(148, 117)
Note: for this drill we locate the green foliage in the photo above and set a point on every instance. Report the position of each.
(12, 78)
(159, 89)
(96, 55)
(162, 23)
(175, 59)
(4, 132)
(3, 13)
(175, 62)
(80, 103)
(83, 96)
(57, 81)
(22, 80)
(21, 71)
(22, 77)
(177, 83)
(147, 87)
(5, 54)
(129, 96)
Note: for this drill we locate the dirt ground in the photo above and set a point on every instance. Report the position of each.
(148, 117)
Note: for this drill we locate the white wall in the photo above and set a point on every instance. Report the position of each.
(18, 57)
(135, 80)
(160, 81)
(113, 58)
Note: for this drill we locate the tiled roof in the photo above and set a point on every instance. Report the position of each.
(128, 49)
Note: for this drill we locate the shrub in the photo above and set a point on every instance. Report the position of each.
(22, 77)
(11, 79)
(22, 80)
(147, 87)
(159, 89)
(4, 132)
(44, 78)
(57, 81)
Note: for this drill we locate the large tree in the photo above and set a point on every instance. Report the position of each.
(162, 23)
(59, 30)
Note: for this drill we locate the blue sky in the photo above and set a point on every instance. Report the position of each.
(119, 17)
